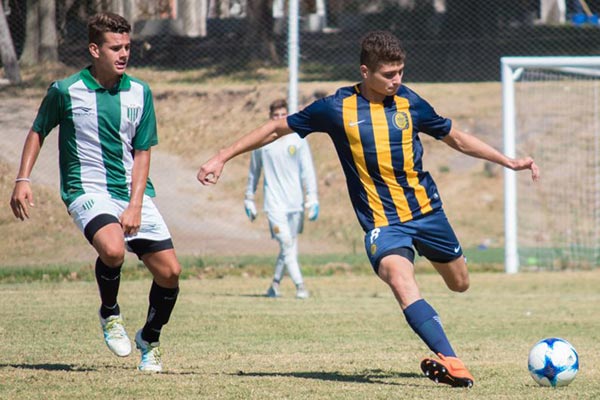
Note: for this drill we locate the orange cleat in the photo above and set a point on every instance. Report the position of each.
(448, 370)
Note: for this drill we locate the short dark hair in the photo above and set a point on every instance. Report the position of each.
(379, 47)
(277, 104)
(106, 22)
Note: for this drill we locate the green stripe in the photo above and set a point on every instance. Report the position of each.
(109, 121)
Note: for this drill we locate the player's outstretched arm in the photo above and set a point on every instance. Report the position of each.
(475, 147)
(211, 170)
(22, 195)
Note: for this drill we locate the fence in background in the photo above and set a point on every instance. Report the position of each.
(446, 40)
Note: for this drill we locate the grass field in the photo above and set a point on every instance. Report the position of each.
(348, 341)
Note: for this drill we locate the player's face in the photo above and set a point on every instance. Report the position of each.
(385, 80)
(279, 113)
(112, 56)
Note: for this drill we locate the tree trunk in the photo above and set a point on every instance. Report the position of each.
(48, 51)
(261, 30)
(32, 34)
(41, 40)
(193, 14)
(7, 51)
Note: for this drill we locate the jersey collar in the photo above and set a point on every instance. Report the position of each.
(91, 83)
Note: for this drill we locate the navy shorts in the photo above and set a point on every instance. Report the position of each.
(431, 235)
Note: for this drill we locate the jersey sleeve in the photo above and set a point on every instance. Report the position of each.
(50, 112)
(429, 122)
(307, 171)
(314, 118)
(146, 134)
(254, 173)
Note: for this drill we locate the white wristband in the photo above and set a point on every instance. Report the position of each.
(22, 180)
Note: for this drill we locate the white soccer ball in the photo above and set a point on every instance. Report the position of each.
(553, 362)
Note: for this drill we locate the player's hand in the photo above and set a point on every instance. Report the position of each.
(312, 207)
(21, 199)
(210, 171)
(131, 220)
(313, 212)
(527, 163)
(250, 209)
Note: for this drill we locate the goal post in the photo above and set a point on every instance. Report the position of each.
(551, 110)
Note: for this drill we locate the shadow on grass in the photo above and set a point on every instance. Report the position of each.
(50, 367)
(369, 376)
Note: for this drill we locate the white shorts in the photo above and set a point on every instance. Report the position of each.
(90, 205)
(285, 225)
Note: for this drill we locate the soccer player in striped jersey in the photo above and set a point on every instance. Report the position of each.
(107, 129)
(288, 172)
(375, 126)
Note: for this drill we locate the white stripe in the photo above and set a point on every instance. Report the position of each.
(89, 151)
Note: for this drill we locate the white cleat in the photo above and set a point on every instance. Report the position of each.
(115, 336)
(302, 293)
(150, 354)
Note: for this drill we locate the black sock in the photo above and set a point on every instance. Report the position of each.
(162, 301)
(108, 285)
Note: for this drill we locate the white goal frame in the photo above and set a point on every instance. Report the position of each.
(511, 69)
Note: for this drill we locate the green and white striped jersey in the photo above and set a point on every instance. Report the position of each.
(99, 131)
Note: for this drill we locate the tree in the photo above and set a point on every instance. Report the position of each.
(7, 50)
(260, 18)
(41, 41)
(193, 14)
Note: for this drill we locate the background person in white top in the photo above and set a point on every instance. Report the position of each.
(288, 173)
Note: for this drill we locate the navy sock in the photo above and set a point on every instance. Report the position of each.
(423, 319)
(108, 285)
(162, 301)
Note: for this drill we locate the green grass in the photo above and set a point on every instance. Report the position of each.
(348, 341)
(260, 266)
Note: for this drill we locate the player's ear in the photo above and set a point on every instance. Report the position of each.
(94, 50)
(364, 71)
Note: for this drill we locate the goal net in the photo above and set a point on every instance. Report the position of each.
(551, 110)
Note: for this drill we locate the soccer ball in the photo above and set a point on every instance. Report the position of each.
(553, 362)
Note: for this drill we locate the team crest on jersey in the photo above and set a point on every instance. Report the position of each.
(401, 120)
(133, 112)
(373, 249)
(292, 149)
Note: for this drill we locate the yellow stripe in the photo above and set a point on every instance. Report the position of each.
(381, 133)
(350, 114)
(402, 105)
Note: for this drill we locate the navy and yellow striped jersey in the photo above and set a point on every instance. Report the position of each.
(380, 151)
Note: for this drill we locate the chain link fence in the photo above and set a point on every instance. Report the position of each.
(446, 41)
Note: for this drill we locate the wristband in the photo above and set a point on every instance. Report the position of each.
(22, 180)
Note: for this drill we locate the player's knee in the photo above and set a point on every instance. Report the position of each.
(113, 256)
(173, 271)
(168, 275)
(460, 285)
(287, 244)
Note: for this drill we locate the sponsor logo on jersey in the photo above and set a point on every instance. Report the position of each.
(355, 123)
(82, 110)
(401, 120)
(373, 249)
(88, 205)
